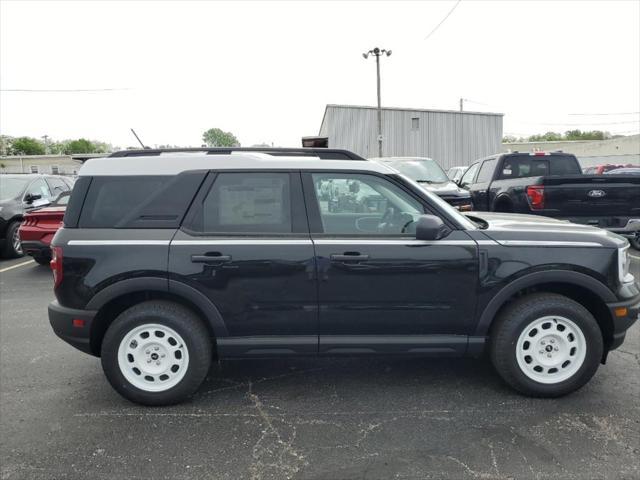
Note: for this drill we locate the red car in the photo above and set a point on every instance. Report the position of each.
(39, 226)
(600, 169)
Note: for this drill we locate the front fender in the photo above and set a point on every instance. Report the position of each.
(540, 278)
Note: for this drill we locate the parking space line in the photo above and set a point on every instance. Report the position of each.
(634, 256)
(16, 266)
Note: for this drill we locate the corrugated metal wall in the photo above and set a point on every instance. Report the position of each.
(451, 138)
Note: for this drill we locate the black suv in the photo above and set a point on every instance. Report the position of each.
(20, 193)
(166, 261)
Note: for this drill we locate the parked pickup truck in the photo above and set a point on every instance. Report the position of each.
(552, 185)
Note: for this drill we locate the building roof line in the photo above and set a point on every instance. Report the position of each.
(424, 110)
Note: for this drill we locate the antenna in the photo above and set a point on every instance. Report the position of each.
(138, 138)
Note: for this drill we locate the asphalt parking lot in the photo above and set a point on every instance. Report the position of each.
(342, 418)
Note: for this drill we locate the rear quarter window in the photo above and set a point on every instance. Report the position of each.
(139, 201)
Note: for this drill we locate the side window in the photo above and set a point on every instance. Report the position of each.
(486, 171)
(360, 204)
(248, 203)
(467, 178)
(57, 185)
(39, 187)
(145, 201)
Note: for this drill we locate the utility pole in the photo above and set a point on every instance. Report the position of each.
(377, 52)
(46, 143)
(461, 104)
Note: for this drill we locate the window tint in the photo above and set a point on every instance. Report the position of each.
(248, 203)
(111, 199)
(467, 178)
(39, 187)
(135, 201)
(520, 166)
(486, 171)
(355, 204)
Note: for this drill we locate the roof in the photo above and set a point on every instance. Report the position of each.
(424, 110)
(324, 153)
(400, 159)
(175, 163)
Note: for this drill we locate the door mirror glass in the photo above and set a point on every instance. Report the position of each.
(430, 227)
(29, 198)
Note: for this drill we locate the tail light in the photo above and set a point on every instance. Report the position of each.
(56, 265)
(535, 194)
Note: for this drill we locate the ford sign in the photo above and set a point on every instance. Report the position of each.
(596, 193)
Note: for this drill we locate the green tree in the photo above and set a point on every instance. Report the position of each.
(546, 137)
(214, 137)
(82, 145)
(590, 135)
(27, 146)
(511, 139)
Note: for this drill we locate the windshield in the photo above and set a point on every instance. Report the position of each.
(11, 187)
(423, 170)
(452, 212)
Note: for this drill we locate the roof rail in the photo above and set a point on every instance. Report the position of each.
(322, 153)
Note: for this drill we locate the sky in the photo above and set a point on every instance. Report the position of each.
(265, 70)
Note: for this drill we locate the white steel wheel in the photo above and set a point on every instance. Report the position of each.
(551, 349)
(153, 357)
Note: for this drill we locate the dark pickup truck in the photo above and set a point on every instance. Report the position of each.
(552, 185)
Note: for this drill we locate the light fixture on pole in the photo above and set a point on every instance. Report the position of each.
(377, 52)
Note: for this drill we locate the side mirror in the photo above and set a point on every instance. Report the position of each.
(430, 227)
(30, 197)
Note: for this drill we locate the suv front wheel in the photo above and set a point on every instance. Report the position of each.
(156, 353)
(546, 345)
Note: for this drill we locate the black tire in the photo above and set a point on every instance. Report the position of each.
(10, 250)
(635, 242)
(513, 320)
(42, 259)
(185, 323)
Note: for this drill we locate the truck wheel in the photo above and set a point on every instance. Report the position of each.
(156, 353)
(635, 241)
(546, 345)
(12, 247)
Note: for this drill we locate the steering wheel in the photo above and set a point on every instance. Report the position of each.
(394, 222)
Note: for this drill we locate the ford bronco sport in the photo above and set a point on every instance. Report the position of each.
(167, 260)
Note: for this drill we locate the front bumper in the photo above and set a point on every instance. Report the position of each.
(62, 322)
(463, 204)
(623, 322)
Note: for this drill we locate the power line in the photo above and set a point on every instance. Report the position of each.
(582, 124)
(597, 114)
(61, 90)
(443, 20)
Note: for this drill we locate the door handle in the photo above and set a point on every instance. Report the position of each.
(210, 258)
(349, 257)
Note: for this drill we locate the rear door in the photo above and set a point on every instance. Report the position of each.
(380, 289)
(245, 244)
(480, 188)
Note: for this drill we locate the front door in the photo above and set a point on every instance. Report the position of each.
(381, 290)
(245, 245)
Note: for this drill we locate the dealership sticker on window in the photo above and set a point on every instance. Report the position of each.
(506, 171)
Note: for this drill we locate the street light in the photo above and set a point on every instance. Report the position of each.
(377, 53)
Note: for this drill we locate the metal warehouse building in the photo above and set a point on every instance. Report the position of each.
(449, 137)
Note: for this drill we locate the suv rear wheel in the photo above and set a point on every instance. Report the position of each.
(156, 353)
(546, 345)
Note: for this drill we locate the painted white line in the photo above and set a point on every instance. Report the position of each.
(16, 266)
(634, 256)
